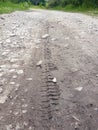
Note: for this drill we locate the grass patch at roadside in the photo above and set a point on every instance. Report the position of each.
(8, 7)
(70, 8)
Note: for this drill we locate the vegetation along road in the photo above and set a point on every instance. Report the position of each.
(48, 71)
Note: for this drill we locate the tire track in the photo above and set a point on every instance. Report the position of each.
(50, 90)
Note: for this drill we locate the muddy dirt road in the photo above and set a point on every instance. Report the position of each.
(48, 71)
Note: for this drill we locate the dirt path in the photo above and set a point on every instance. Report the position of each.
(48, 71)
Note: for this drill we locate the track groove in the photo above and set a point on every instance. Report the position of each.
(50, 90)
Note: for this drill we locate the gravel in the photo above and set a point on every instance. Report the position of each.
(72, 58)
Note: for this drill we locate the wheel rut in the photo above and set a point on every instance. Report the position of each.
(50, 92)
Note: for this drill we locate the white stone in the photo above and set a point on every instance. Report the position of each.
(1, 74)
(17, 126)
(16, 89)
(30, 128)
(36, 47)
(24, 111)
(45, 36)
(12, 70)
(15, 76)
(8, 40)
(3, 66)
(39, 63)
(12, 83)
(97, 75)
(53, 39)
(54, 80)
(25, 124)
(4, 53)
(29, 79)
(16, 113)
(13, 60)
(67, 38)
(10, 111)
(15, 66)
(1, 117)
(9, 127)
(66, 45)
(12, 35)
(20, 72)
(37, 41)
(25, 105)
(17, 85)
(26, 90)
(79, 88)
(1, 42)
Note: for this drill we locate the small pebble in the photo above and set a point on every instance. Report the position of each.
(53, 39)
(25, 105)
(4, 53)
(12, 70)
(12, 35)
(20, 72)
(16, 113)
(10, 97)
(39, 63)
(97, 75)
(26, 90)
(30, 128)
(15, 76)
(8, 40)
(1, 74)
(10, 111)
(12, 83)
(54, 80)
(29, 79)
(67, 38)
(16, 89)
(1, 42)
(1, 117)
(13, 60)
(25, 124)
(96, 109)
(45, 36)
(17, 85)
(66, 45)
(24, 111)
(79, 88)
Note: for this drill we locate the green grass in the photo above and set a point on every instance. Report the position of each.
(70, 8)
(37, 7)
(8, 7)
